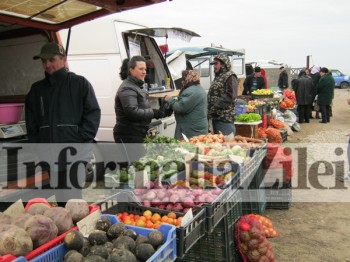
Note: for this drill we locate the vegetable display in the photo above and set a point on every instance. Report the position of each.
(246, 118)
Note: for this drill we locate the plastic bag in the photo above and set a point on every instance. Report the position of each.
(252, 243)
(289, 117)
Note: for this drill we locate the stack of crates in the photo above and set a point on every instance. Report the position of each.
(278, 172)
(253, 194)
(219, 244)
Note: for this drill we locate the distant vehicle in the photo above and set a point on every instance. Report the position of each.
(341, 80)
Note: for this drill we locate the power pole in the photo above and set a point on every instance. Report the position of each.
(308, 61)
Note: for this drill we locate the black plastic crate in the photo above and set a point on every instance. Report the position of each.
(219, 245)
(260, 109)
(279, 197)
(284, 135)
(186, 236)
(250, 168)
(253, 194)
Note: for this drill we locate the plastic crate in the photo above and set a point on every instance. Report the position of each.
(241, 109)
(249, 169)
(220, 244)
(219, 208)
(260, 110)
(186, 236)
(52, 243)
(261, 96)
(284, 135)
(279, 197)
(167, 252)
(253, 194)
(233, 182)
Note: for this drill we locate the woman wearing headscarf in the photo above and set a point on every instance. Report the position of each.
(315, 75)
(190, 107)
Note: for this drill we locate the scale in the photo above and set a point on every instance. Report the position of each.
(13, 130)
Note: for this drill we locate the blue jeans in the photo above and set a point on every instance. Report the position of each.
(226, 128)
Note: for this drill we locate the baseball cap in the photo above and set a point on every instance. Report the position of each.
(49, 50)
(216, 60)
(257, 69)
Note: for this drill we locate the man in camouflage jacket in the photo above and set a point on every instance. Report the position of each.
(222, 95)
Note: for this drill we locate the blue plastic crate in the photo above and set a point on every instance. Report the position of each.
(186, 236)
(241, 109)
(167, 252)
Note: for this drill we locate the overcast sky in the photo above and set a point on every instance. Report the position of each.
(282, 30)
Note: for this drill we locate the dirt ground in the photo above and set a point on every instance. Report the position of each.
(316, 231)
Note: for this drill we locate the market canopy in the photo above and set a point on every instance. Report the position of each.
(59, 14)
(171, 32)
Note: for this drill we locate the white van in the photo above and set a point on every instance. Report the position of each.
(200, 57)
(96, 50)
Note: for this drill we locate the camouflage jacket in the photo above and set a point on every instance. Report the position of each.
(222, 95)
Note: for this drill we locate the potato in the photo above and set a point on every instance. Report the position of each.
(41, 229)
(15, 241)
(62, 218)
(78, 208)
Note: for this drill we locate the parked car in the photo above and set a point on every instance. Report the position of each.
(341, 80)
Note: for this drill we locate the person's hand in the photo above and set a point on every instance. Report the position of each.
(158, 114)
(167, 97)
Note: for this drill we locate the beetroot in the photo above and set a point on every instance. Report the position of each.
(21, 219)
(5, 219)
(62, 218)
(78, 208)
(38, 208)
(15, 241)
(41, 229)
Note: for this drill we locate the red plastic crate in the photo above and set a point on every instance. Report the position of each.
(54, 242)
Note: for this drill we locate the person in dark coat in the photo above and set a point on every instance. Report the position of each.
(303, 87)
(132, 108)
(315, 75)
(283, 79)
(60, 110)
(325, 93)
(190, 107)
(253, 82)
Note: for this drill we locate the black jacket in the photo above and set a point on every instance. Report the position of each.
(283, 80)
(250, 86)
(132, 109)
(62, 108)
(303, 88)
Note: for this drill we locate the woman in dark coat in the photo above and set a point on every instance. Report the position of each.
(190, 107)
(325, 92)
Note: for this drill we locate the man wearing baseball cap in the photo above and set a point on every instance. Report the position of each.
(62, 108)
(222, 95)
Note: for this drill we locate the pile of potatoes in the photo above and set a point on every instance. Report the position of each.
(39, 224)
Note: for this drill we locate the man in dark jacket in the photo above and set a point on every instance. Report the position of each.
(62, 108)
(222, 95)
(303, 88)
(283, 79)
(325, 93)
(253, 82)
